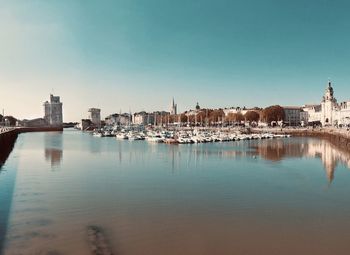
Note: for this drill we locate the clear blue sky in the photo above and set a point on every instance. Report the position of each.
(137, 55)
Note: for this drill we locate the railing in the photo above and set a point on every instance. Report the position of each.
(6, 129)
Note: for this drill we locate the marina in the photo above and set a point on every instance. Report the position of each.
(185, 136)
(74, 193)
(174, 127)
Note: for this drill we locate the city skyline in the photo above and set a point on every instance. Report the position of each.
(138, 55)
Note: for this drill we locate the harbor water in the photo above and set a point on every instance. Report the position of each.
(272, 196)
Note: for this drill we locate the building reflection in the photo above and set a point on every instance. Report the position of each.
(54, 156)
(184, 156)
(330, 155)
(53, 148)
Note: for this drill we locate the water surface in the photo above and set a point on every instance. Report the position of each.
(283, 196)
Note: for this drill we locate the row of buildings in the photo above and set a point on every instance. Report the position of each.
(327, 113)
(124, 119)
(121, 119)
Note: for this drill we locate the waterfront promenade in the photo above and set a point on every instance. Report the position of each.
(4, 130)
(7, 130)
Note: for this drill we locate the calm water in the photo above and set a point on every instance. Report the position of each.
(287, 196)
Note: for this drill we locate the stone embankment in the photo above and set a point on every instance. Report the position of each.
(18, 130)
(338, 136)
(7, 140)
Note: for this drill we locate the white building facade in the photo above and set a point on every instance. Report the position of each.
(329, 112)
(122, 119)
(144, 118)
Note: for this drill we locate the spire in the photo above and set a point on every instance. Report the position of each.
(173, 107)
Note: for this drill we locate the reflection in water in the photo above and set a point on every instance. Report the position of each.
(53, 148)
(271, 150)
(329, 154)
(134, 197)
(53, 155)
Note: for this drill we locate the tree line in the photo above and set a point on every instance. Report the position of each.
(217, 116)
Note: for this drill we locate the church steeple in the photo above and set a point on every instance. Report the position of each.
(173, 107)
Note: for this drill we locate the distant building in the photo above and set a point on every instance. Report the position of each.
(332, 112)
(144, 118)
(53, 111)
(9, 121)
(119, 119)
(173, 108)
(150, 118)
(52, 115)
(329, 112)
(39, 122)
(304, 118)
(95, 116)
(292, 115)
(314, 112)
(329, 107)
(86, 124)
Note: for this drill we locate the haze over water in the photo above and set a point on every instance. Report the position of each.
(282, 196)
